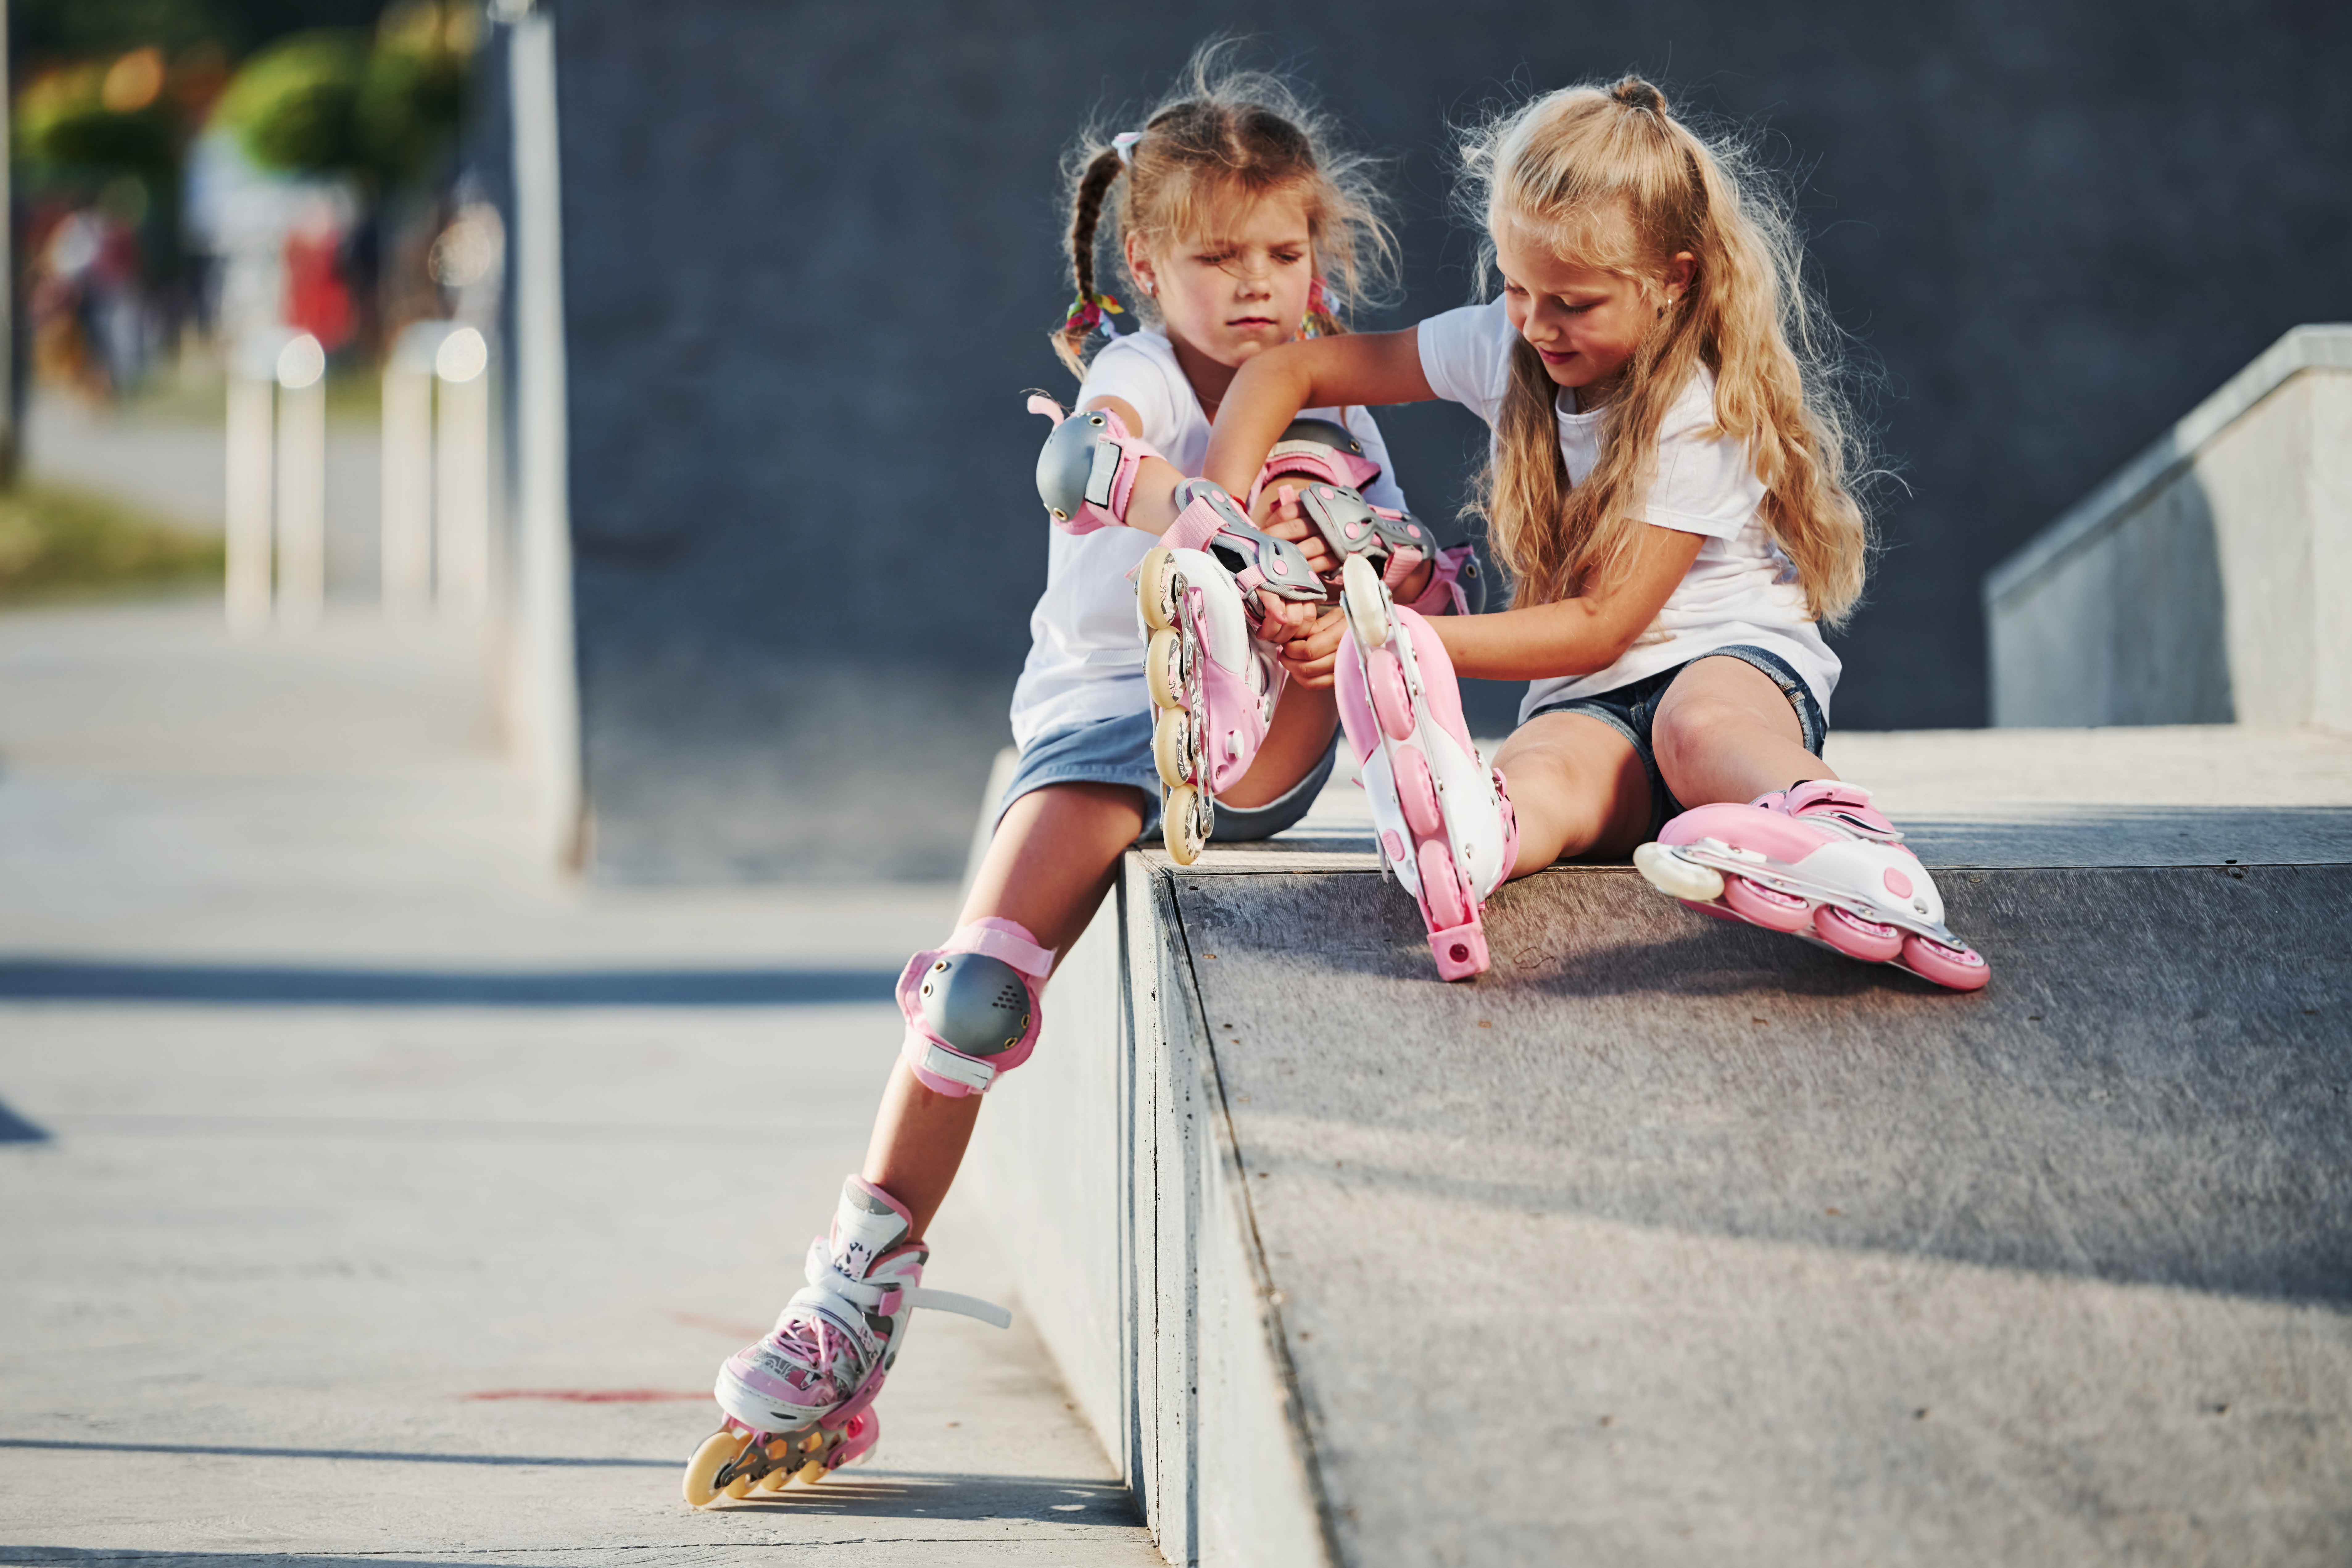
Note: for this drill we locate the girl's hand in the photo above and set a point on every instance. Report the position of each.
(1285, 619)
(1277, 513)
(1309, 657)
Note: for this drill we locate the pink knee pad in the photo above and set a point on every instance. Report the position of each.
(971, 1008)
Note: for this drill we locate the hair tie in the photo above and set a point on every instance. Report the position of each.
(1087, 314)
(1319, 302)
(1124, 146)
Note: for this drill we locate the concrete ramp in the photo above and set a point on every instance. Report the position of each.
(1674, 1241)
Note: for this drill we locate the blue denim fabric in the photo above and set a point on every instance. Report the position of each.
(1118, 752)
(1631, 710)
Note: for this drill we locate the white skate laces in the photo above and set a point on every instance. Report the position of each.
(797, 1400)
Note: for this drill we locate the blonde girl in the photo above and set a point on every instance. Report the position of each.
(1234, 222)
(1669, 487)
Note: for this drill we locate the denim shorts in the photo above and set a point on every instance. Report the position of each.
(1631, 709)
(1118, 752)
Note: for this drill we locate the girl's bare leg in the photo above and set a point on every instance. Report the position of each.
(1305, 719)
(1048, 867)
(1577, 788)
(1725, 731)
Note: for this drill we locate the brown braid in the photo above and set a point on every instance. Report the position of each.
(1086, 216)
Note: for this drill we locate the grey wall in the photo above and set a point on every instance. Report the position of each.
(811, 250)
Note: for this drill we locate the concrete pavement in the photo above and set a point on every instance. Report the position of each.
(372, 1194)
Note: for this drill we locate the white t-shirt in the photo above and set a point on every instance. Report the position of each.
(1086, 656)
(1742, 589)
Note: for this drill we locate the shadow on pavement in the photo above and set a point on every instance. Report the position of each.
(371, 1456)
(48, 980)
(15, 1128)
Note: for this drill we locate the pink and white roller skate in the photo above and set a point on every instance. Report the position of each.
(1818, 862)
(1327, 470)
(799, 1401)
(1441, 816)
(1213, 680)
(1203, 592)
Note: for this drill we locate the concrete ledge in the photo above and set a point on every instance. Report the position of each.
(2317, 347)
(1114, 1181)
(1668, 1241)
(2205, 583)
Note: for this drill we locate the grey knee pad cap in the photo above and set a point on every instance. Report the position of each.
(975, 1003)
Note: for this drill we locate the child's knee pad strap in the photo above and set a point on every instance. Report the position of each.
(971, 1008)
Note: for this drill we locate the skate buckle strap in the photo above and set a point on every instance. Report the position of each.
(842, 1297)
(953, 1302)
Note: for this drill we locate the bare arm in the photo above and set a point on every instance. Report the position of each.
(1579, 635)
(1377, 368)
(1151, 508)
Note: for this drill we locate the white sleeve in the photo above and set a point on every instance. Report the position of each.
(1383, 491)
(1705, 485)
(1466, 356)
(1134, 378)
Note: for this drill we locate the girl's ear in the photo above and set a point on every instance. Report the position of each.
(1679, 273)
(1138, 266)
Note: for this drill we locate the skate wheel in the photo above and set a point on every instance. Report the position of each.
(814, 1472)
(1158, 586)
(738, 1487)
(1765, 907)
(1181, 827)
(1855, 937)
(1163, 669)
(717, 1451)
(1956, 968)
(1175, 749)
(775, 1481)
(1677, 877)
(1416, 792)
(1391, 703)
(1366, 602)
(1441, 888)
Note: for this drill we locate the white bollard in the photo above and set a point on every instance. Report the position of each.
(252, 412)
(301, 483)
(462, 472)
(408, 469)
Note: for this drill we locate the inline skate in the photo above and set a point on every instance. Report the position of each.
(1819, 862)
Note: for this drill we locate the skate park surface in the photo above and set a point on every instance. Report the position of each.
(371, 1195)
(1670, 1240)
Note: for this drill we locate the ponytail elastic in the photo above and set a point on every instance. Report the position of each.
(1088, 314)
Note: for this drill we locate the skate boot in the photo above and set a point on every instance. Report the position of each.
(1441, 818)
(1213, 679)
(799, 1401)
(1325, 470)
(1815, 862)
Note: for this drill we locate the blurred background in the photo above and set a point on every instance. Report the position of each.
(676, 355)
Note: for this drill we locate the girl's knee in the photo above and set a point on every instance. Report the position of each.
(1691, 727)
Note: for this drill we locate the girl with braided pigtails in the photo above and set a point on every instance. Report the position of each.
(1236, 225)
(1669, 486)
